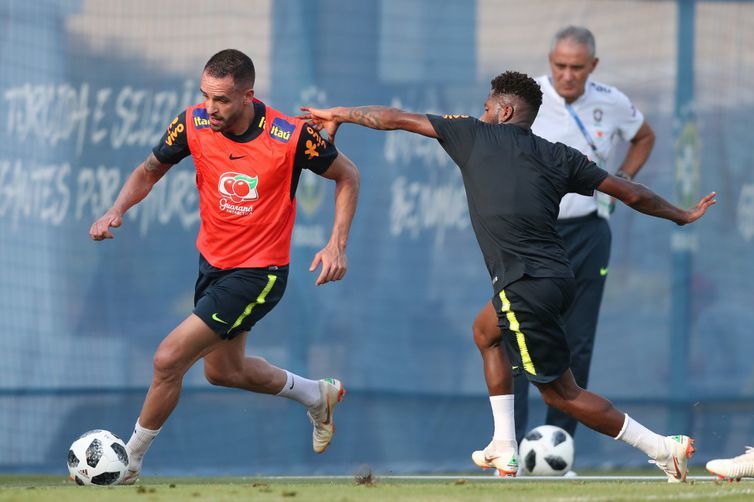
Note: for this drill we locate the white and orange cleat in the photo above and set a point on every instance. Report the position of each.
(505, 461)
(676, 465)
(736, 468)
(322, 416)
(133, 471)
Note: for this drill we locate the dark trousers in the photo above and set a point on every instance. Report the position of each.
(587, 242)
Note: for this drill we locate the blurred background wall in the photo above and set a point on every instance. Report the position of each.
(87, 88)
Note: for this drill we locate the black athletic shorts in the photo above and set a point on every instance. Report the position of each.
(529, 313)
(232, 301)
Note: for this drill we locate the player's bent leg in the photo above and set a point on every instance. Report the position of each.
(590, 409)
(227, 365)
(502, 452)
(488, 339)
(176, 354)
(669, 453)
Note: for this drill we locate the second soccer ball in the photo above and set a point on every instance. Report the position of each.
(546, 451)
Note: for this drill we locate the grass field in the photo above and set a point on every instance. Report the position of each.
(343, 489)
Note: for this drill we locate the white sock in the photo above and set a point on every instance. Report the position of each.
(301, 389)
(642, 438)
(140, 442)
(503, 417)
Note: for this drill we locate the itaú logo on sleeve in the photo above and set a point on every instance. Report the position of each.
(236, 190)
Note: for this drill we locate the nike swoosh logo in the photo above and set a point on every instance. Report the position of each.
(233, 157)
(603, 271)
(217, 318)
(293, 382)
(678, 474)
(326, 421)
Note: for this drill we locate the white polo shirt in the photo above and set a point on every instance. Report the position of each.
(606, 114)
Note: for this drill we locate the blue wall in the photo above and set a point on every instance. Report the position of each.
(79, 321)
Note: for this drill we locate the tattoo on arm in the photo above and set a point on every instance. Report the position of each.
(154, 168)
(370, 116)
(152, 165)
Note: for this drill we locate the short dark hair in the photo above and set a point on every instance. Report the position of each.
(234, 63)
(518, 84)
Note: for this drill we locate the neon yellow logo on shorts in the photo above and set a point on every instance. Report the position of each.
(217, 318)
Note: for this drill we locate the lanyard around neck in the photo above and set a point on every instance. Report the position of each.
(584, 131)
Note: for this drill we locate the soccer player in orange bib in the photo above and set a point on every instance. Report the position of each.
(248, 160)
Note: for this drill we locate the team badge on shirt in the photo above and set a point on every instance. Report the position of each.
(237, 189)
(200, 118)
(281, 130)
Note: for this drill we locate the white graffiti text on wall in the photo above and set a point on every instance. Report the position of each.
(57, 193)
(81, 115)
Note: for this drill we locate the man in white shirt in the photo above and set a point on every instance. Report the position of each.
(591, 117)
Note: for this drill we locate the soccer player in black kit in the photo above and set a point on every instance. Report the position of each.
(514, 181)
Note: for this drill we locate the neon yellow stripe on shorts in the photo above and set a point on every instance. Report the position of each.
(516, 328)
(260, 299)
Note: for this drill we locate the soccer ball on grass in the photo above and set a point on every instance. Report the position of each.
(98, 457)
(546, 451)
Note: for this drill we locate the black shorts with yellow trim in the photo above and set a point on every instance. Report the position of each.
(529, 313)
(232, 301)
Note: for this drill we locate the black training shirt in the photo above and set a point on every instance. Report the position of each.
(514, 181)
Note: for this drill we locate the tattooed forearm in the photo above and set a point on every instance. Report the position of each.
(375, 117)
(370, 116)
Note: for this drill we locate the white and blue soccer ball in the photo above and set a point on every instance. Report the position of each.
(546, 451)
(97, 457)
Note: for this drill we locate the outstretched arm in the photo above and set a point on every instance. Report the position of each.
(137, 186)
(333, 255)
(644, 200)
(374, 117)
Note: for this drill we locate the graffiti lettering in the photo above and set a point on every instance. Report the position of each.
(33, 192)
(416, 207)
(56, 115)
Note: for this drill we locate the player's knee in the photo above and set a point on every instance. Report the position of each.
(559, 395)
(218, 376)
(485, 335)
(551, 397)
(167, 364)
(554, 395)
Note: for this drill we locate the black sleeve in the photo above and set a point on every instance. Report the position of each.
(313, 152)
(585, 175)
(456, 135)
(173, 146)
